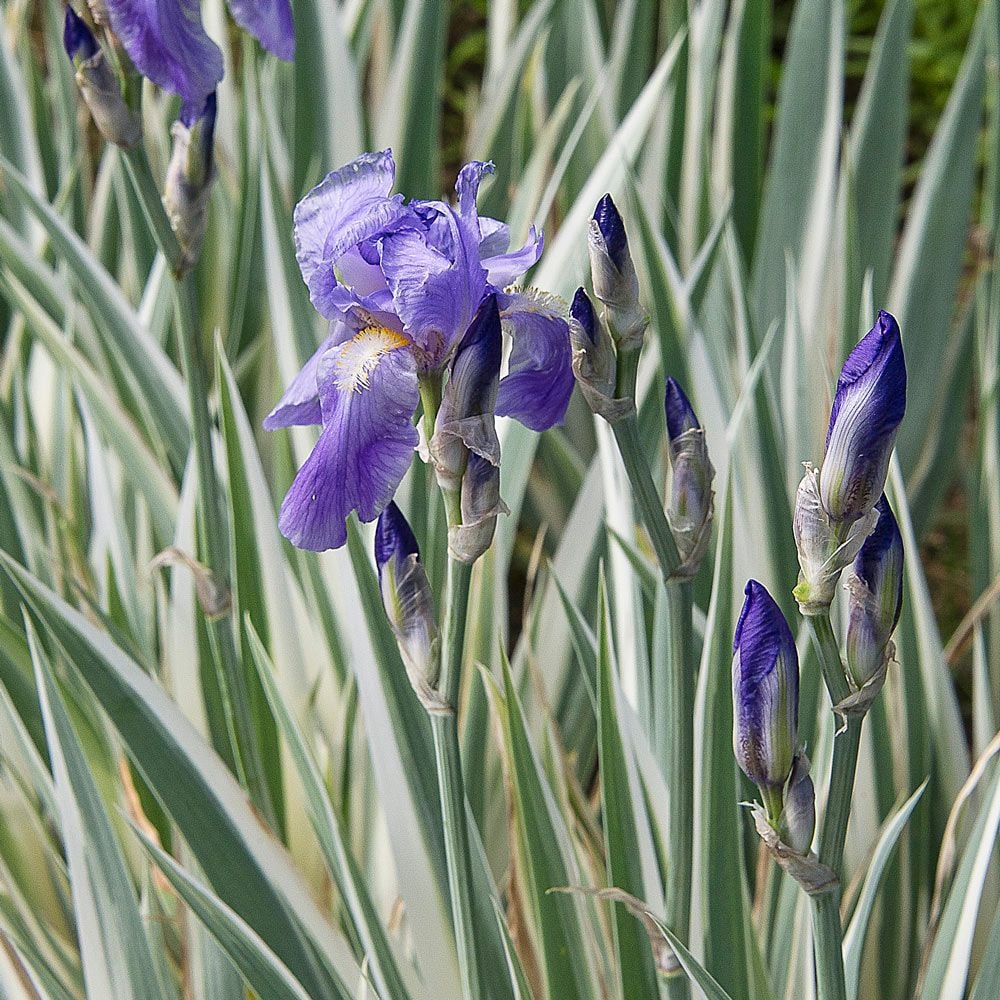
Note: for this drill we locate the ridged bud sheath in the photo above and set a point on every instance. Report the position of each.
(594, 362)
(188, 186)
(465, 449)
(614, 277)
(875, 589)
(408, 602)
(798, 818)
(98, 84)
(691, 497)
(765, 694)
(867, 410)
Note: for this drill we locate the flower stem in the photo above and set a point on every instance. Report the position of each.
(673, 692)
(673, 708)
(827, 931)
(213, 529)
(450, 782)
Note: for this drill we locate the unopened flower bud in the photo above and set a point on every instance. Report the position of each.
(614, 277)
(480, 505)
(875, 589)
(98, 84)
(798, 818)
(465, 449)
(594, 363)
(765, 692)
(825, 547)
(408, 602)
(691, 498)
(188, 186)
(867, 411)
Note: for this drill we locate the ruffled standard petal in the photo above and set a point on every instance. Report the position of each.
(167, 42)
(269, 21)
(349, 206)
(436, 295)
(368, 393)
(505, 268)
(539, 382)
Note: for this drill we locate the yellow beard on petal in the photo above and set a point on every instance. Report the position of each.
(360, 356)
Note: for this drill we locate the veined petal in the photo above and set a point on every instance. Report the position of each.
(368, 394)
(269, 21)
(167, 42)
(300, 403)
(349, 206)
(539, 382)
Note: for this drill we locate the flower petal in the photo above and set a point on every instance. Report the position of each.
(349, 206)
(504, 268)
(269, 21)
(436, 295)
(300, 403)
(539, 382)
(368, 392)
(168, 44)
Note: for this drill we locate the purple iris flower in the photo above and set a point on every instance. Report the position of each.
(765, 690)
(400, 283)
(867, 410)
(168, 44)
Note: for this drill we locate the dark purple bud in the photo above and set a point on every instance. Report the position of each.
(867, 410)
(77, 37)
(475, 369)
(408, 602)
(609, 222)
(98, 84)
(765, 690)
(582, 310)
(394, 538)
(876, 596)
(190, 174)
(680, 414)
(613, 274)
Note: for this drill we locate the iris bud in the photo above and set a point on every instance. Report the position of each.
(188, 186)
(765, 693)
(594, 363)
(825, 547)
(798, 818)
(98, 84)
(465, 449)
(875, 589)
(409, 603)
(867, 410)
(691, 497)
(614, 277)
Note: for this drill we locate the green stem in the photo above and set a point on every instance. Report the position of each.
(212, 524)
(674, 691)
(673, 686)
(647, 500)
(450, 782)
(827, 930)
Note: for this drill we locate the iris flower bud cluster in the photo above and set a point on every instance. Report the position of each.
(835, 506)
